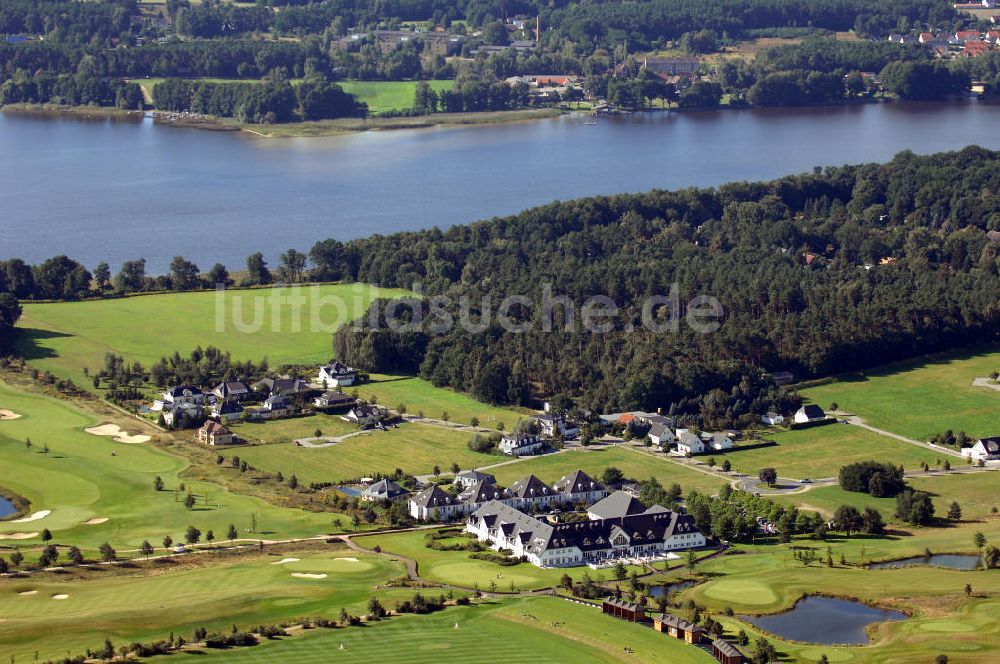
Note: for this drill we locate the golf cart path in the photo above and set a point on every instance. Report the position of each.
(859, 422)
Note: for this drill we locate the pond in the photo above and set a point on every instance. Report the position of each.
(964, 562)
(6, 507)
(671, 588)
(825, 620)
(349, 490)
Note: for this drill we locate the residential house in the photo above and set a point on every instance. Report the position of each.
(433, 504)
(183, 416)
(679, 628)
(717, 441)
(579, 487)
(671, 66)
(336, 374)
(285, 387)
(661, 436)
(925, 37)
(595, 542)
(809, 413)
(468, 478)
(727, 653)
(227, 411)
(773, 419)
(366, 415)
(531, 492)
(183, 395)
(985, 449)
(275, 407)
(232, 389)
(213, 433)
(483, 492)
(689, 443)
(780, 378)
(331, 399)
(973, 49)
(521, 444)
(552, 425)
(383, 490)
(624, 610)
(967, 35)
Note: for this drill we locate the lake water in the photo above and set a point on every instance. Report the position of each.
(825, 620)
(6, 507)
(949, 560)
(670, 589)
(103, 190)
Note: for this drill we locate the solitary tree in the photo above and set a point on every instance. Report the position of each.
(210, 537)
(189, 501)
(158, 483)
(146, 549)
(955, 511)
(16, 558)
(192, 535)
(980, 541)
(768, 475)
(75, 555)
(968, 590)
(168, 541)
(232, 533)
(108, 554)
(46, 535)
(293, 482)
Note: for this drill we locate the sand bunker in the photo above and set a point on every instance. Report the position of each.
(117, 434)
(286, 560)
(17, 536)
(303, 575)
(8, 414)
(28, 592)
(95, 521)
(34, 517)
(60, 596)
(349, 560)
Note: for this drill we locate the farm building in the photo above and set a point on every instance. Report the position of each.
(726, 652)
(624, 610)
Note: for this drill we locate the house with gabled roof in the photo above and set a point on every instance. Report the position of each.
(331, 399)
(483, 492)
(532, 492)
(661, 435)
(521, 444)
(433, 504)
(232, 389)
(689, 443)
(181, 395)
(366, 414)
(985, 449)
(467, 478)
(337, 374)
(285, 387)
(615, 506)
(579, 487)
(809, 413)
(213, 433)
(227, 411)
(383, 490)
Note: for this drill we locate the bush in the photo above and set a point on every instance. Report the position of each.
(880, 480)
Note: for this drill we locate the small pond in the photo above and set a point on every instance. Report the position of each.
(670, 589)
(825, 620)
(957, 561)
(349, 490)
(6, 507)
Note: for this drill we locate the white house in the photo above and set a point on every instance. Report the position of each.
(433, 504)
(331, 399)
(689, 443)
(213, 433)
(809, 413)
(275, 407)
(985, 449)
(521, 444)
(661, 436)
(232, 389)
(717, 441)
(183, 395)
(468, 478)
(551, 425)
(772, 418)
(383, 490)
(227, 411)
(337, 374)
(366, 414)
(579, 487)
(598, 541)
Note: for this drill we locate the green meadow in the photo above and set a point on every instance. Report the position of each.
(419, 395)
(819, 452)
(922, 397)
(526, 630)
(635, 465)
(414, 448)
(285, 325)
(84, 477)
(384, 96)
(141, 606)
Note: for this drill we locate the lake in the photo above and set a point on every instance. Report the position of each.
(114, 190)
(964, 562)
(825, 620)
(6, 507)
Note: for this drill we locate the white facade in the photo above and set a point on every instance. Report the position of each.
(986, 449)
(772, 419)
(689, 443)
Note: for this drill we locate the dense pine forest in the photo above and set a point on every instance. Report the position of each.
(820, 273)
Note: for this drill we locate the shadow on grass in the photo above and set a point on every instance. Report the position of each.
(26, 343)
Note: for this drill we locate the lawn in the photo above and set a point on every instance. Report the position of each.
(634, 464)
(819, 452)
(419, 395)
(84, 476)
(292, 428)
(389, 95)
(527, 630)
(149, 606)
(922, 397)
(285, 325)
(415, 448)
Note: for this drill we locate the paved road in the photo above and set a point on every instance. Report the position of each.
(858, 422)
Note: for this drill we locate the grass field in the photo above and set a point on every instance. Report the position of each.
(923, 397)
(66, 337)
(127, 607)
(413, 447)
(80, 479)
(528, 630)
(389, 95)
(287, 430)
(635, 465)
(821, 451)
(418, 395)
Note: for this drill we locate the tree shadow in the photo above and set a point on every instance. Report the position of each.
(26, 343)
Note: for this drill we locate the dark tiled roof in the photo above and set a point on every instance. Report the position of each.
(618, 504)
(813, 412)
(432, 497)
(335, 368)
(578, 482)
(476, 476)
(481, 492)
(726, 648)
(384, 489)
(179, 390)
(530, 487)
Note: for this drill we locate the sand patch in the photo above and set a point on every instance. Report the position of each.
(349, 560)
(28, 592)
(116, 433)
(60, 596)
(284, 561)
(977, 382)
(17, 536)
(8, 414)
(34, 517)
(95, 521)
(303, 575)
